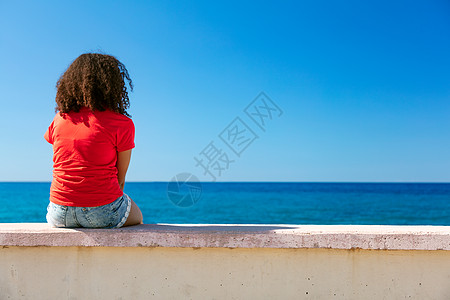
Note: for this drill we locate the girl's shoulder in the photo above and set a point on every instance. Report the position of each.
(111, 116)
(87, 114)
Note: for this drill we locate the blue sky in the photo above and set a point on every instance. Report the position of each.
(364, 87)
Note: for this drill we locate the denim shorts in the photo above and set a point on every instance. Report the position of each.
(112, 215)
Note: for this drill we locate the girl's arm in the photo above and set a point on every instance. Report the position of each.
(123, 160)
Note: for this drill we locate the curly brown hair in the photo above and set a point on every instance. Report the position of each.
(96, 81)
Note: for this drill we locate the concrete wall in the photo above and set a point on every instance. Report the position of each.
(37, 268)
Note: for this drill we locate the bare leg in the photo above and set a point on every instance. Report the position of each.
(135, 216)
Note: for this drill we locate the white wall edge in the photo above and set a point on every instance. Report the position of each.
(376, 237)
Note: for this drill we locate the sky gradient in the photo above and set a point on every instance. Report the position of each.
(364, 88)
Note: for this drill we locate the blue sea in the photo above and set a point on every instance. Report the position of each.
(263, 203)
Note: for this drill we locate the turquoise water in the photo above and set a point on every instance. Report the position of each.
(263, 203)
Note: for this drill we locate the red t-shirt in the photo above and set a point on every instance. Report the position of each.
(85, 146)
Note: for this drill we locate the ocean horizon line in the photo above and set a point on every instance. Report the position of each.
(269, 181)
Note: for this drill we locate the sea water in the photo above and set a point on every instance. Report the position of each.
(262, 203)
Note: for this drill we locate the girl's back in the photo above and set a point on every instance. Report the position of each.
(85, 146)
